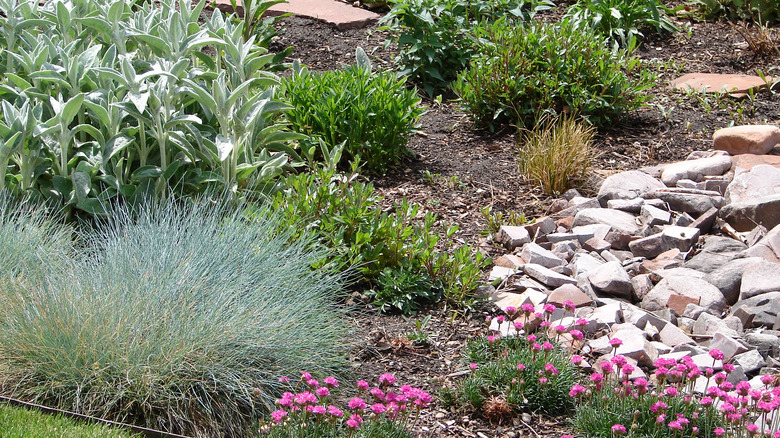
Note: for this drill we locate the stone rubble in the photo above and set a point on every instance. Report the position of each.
(674, 260)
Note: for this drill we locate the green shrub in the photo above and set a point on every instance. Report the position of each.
(345, 214)
(372, 113)
(759, 11)
(403, 289)
(435, 37)
(170, 317)
(23, 423)
(524, 71)
(557, 154)
(497, 388)
(621, 20)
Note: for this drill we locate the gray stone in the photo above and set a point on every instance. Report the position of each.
(766, 307)
(659, 275)
(745, 315)
(569, 292)
(728, 277)
(767, 344)
(734, 323)
(564, 237)
(759, 278)
(639, 349)
(684, 219)
(629, 205)
(704, 361)
(598, 231)
(627, 185)
(695, 170)
(541, 227)
(512, 237)
(666, 260)
(768, 247)
(708, 324)
(600, 345)
(500, 272)
(655, 216)
(672, 336)
(619, 221)
(705, 221)
(584, 262)
(546, 276)
(745, 215)
(762, 180)
(596, 244)
(608, 256)
(695, 204)
(649, 247)
(709, 296)
(728, 345)
(693, 311)
(715, 252)
(641, 285)
(681, 238)
(750, 361)
(661, 347)
(611, 278)
(533, 253)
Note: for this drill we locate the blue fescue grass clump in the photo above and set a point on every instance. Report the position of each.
(170, 318)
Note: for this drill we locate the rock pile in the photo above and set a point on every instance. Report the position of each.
(674, 260)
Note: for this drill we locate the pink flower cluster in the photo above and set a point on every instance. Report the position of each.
(313, 403)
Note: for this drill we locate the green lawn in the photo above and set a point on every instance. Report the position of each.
(23, 423)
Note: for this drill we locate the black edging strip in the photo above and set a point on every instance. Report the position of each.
(149, 433)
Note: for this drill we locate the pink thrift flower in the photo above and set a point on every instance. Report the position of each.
(378, 408)
(596, 377)
(606, 367)
(576, 390)
(278, 415)
(305, 398)
(353, 424)
(544, 324)
(387, 379)
(719, 431)
(671, 391)
(531, 338)
(473, 366)
(627, 369)
(559, 329)
(378, 394)
(500, 319)
(618, 429)
(536, 347)
(675, 425)
(491, 339)
(576, 359)
(518, 325)
(305, 376)
(543, 380)
(550, 369)
(284, 379)
(510, 310)
(582, 322)
(660, 419)
(331, 382)
(569, 306)
(576, 334)
(527, 308)
(550, 308)
(706, 401)
(717, 354)
(334, 411)
(488, 318)
(728, 368)
(362, 385)
(619, 360)
(658, 406)
(753, 429)
(357, 403)
(322, 392)
(615, 342)
(547, 347)
(286, 400)
(520, 367)
(317, 409)
(313, 383)
(767, 379)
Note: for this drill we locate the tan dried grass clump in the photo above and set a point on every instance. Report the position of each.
(557, 154)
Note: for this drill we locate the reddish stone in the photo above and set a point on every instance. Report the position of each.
(339, 14)
(748, 161)
(735, 85)
(569, 292)
(678, 302)
(510, 261)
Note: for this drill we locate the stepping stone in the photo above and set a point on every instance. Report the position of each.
(338, 14)
(734, 85)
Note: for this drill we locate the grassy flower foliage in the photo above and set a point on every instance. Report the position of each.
(557, 154)
(23, 423)
(169, 317)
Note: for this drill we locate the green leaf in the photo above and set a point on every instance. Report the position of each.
(71, 108)
(147, 172)
(82, 184)
(362, 59)
(92, 206)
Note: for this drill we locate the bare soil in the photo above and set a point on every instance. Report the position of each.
(456, 171)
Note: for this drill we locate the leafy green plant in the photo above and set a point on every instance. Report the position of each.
(403, 289)
(557, 154)
(757, 11)
(106, 100)
(344, 213)
(496, 219)
(524, 71)
(435, 37)
(373, 113)
(621, 20)
(168, 316)
(22, 423)
(418, 336)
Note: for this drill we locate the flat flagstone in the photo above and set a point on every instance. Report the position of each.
(340, 15)
(733, 84)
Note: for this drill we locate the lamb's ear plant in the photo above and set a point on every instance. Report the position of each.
(167, 317)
